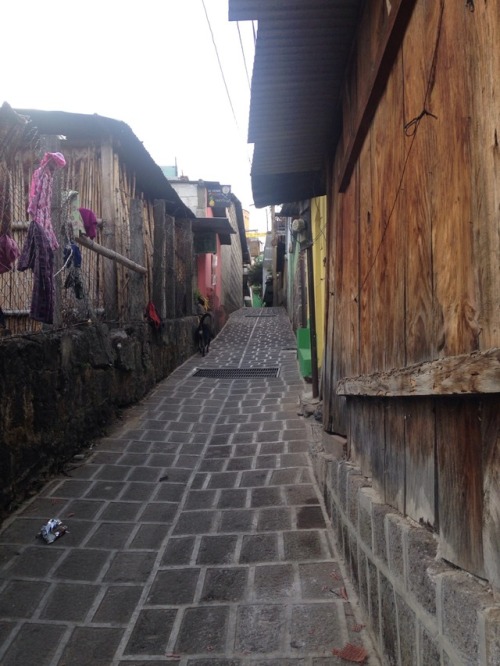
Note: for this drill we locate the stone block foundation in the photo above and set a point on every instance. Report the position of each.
(420, 610)
(60, 389)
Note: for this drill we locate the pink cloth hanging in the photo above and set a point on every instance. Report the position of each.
(39, 208)
(89, 222)
(9, 252)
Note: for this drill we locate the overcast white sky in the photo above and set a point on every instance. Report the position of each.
(151, 64)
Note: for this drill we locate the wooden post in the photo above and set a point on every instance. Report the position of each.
(170, 267)
(179, 270)
(109, 230)
(159, 258)
(136, 290)
(189, 257)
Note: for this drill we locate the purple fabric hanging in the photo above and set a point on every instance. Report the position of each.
(40, 202)
(89, 222)
(9, 252)
(38, 255)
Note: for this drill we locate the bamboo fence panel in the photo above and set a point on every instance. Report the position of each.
(83, 175)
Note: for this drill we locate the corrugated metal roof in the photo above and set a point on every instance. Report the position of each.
(77, 126)
(216, 225)
(301, 54)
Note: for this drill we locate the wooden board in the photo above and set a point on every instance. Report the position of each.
(460, 482)
(389, 272)
(136, 304)
(452, 229)
(490, 433)
(345, 331)
(394, 458)
(367, 438)
(382, 28)
(170, 272)
(367, 328)
(351, 279)
(159, 258)
(373, 424)
(382, 273)
(420, 467)
(327, 378)
(421, 167)
(109, 229)
(339, 424)
(476, 373)
(483, 75)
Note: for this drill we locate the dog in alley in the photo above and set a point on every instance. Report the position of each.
(204, 333)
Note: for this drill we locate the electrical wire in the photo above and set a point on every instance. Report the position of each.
(410, 129)
(220, 65)
(222, 72)
(243, 54)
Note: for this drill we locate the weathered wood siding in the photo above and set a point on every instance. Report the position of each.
(413, 269)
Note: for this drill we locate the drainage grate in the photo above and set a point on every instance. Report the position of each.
(236, 373)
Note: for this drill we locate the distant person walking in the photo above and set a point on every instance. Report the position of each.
(268, 293)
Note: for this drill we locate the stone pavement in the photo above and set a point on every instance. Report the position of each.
(196, 532)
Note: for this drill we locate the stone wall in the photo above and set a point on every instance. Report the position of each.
(419, 610)
(58, 390)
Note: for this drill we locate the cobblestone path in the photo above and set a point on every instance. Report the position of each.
(196, 532)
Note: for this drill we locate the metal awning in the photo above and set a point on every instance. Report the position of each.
(301, 53)
(216, 225)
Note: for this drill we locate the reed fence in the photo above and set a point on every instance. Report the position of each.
(115, 280)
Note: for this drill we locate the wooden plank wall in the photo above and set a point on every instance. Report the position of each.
(413, 272)
(482, 72)
(328, 378)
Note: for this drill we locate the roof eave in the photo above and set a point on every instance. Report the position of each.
(149, 176)
(301, 53)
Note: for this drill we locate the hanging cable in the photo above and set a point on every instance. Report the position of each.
(222, 73)
(410, 129)
(243, 54)
(220, 65)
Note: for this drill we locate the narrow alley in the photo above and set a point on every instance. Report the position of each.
(196, 532)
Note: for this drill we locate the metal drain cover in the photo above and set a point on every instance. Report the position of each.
(236, 373)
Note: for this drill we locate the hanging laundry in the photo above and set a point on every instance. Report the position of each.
(71, 202)
(9, 252)
(38, 255)
(40, 201)
(73, 261)
(152, 315)
(89, 222)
